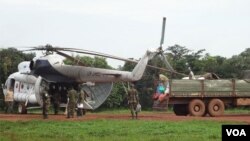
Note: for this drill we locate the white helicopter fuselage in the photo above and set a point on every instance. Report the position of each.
(24, 87)
(23, 84)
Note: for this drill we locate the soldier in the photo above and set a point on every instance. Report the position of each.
(72, 94)
(57, 100)
(133, 100)
(46, 102)
(80, 101)
(9, 98)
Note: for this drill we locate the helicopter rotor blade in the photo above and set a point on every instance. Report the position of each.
(162, 51)
(99, 54)
(28, 50)
(70, 58)
(170, 69)
(115, 57)
(163, 31)
(167, 63)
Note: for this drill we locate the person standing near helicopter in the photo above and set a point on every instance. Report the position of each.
(46, 101)
(133, 100)
(72, 96)
(81, 98)
(9, 100)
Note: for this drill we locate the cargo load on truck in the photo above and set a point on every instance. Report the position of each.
(201, 97)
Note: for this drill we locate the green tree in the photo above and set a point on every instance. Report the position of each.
(181, 58)
(233, 67)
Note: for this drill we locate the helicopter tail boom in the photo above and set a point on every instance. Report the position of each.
(141, 66)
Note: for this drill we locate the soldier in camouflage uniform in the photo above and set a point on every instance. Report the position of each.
(57, 100)
(72, 95)
(46, 101)
(80, 101)
(133, 100)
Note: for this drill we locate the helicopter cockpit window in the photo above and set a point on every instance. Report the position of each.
(31, 65)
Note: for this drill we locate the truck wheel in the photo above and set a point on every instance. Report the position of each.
(180, 109)
(216, 107)
(22, 109)
(197, 108)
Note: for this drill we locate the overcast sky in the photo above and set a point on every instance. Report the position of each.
(127, 28)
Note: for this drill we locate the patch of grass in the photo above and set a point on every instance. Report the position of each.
(108, 130)
(238, 110)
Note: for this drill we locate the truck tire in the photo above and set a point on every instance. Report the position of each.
(196, 107)
(180, 109)
(21, 108)
(216, 107)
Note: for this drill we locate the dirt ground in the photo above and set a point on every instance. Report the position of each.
(142, 116)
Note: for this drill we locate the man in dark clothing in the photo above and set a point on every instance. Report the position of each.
(57, 99)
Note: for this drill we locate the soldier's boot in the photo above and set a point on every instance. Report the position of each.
(132, 114)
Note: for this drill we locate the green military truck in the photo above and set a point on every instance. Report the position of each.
(202, 97)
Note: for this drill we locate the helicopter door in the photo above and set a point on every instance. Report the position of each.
(97, 94)
(38, 88)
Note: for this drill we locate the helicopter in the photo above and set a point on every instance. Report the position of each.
(50, 71)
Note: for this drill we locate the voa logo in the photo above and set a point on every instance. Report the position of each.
(236, 132)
